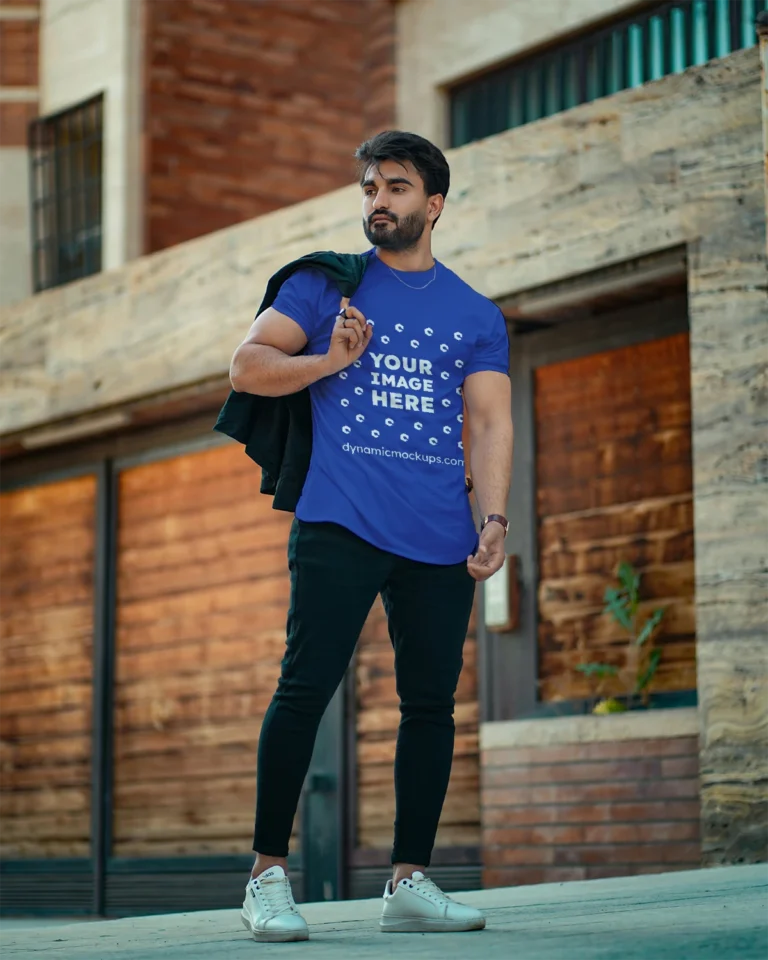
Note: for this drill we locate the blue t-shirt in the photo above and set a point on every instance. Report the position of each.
(387, 457)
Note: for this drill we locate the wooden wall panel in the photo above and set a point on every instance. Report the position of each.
(378, 716)
(202, 597)
(47, 535)
(614, 478)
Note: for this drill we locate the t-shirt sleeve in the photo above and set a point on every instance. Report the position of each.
(492, 345)
(299, 299)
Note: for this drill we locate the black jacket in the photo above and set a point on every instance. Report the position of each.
(277, 431)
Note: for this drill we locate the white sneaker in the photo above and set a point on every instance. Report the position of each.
(269, 910)
(419, 906)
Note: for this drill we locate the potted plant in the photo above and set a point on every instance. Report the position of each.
(642, 659)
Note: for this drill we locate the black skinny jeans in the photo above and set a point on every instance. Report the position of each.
(335, 578)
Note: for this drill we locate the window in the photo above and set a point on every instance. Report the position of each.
(664, 39)
(65, 153)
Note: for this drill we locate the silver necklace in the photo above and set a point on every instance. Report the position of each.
(424, 287)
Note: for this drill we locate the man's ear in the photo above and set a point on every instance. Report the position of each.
(435, 205)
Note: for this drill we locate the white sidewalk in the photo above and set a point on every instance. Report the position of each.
(719, 914)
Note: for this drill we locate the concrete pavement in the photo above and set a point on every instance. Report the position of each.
(719, 914)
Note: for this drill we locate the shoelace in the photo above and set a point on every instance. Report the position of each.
(430, 888)
(278, 895)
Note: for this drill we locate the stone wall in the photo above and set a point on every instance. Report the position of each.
(255, 106)
(673, 163)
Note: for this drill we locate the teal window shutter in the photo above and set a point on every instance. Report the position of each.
(635, 53)
(662, 39)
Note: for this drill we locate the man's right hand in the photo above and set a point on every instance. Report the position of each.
(349, 339)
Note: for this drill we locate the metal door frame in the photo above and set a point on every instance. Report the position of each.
(114, 882)
(510, 660)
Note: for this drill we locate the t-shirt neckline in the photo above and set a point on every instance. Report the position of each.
(412, 274)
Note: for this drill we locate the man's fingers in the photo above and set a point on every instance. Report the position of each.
(484, 563)
(352, 323)
(480, 571)
(355, 340)
(349, 335)
(353, 319)
(351, 331)
(352, 327)
(354, 312)
(363, 345)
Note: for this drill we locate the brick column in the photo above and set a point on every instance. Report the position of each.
(19, 22)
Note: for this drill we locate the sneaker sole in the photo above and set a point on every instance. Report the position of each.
(424, 925)
(274, 936)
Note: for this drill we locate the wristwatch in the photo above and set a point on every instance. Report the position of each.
(498, 518)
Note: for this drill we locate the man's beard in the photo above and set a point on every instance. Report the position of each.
(405, 234)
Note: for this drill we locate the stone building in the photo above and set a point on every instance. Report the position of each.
(158, 162)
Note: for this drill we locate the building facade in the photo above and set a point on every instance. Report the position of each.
(609, 193)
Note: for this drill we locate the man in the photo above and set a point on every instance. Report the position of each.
(384, 509)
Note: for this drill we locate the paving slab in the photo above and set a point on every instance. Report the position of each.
(718, 914)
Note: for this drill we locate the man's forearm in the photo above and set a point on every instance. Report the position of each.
(491, 466)
(268, 372)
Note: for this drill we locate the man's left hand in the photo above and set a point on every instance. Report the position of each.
(490, 553)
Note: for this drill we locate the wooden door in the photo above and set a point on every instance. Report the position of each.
(202, 596)
(613, 483)
(46, 631)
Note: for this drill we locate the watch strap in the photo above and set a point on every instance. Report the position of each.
(498, 518)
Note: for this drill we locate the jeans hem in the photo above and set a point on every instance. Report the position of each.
(266, 850)
(411, 857)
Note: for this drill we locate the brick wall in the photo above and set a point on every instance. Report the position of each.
(252, 105)
(19, 52)
(581, 810)
(19, 31)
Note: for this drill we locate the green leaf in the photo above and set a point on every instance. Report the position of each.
(653, 662)
(650, 625)
(630, 580)
(616, 606)
(611, 593)
(597, 669)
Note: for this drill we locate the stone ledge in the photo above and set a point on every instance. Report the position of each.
(634, 725)
(170, 321)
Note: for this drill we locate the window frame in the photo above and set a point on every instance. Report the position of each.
(66, 207)
(598, 61)
(508, 670)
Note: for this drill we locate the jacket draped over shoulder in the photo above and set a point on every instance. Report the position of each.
(277, 431)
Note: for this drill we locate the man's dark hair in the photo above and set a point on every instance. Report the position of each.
(401, 147)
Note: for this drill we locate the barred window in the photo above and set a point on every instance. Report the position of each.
(663, 39)
(65, 152)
